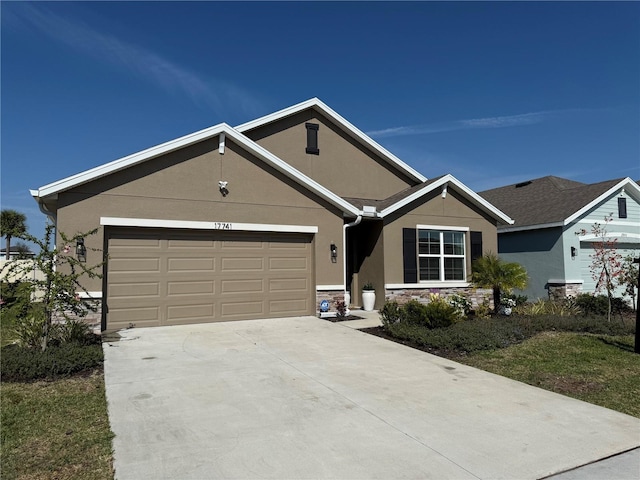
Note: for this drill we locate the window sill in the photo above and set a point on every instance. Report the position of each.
(449, 284)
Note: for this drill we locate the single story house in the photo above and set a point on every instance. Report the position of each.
(548, 213)
(267, 219)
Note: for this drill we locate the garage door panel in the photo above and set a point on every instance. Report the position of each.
(246, 286)
(288, 263)
(242, 309)
(135, 290)
(134, 265)
(189, 288)
(137, 315)
(288, 285)
(177, 277)
(286, 307)
(195, 312)
(190, 244)
(233, 264)
(139, 243)
(190, 264)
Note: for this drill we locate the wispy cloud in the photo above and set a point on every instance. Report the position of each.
(146, 64)
(473, 123)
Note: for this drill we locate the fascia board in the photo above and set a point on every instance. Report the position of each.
(626, 183)
(128, 161)
(344, 123)
(470, 194)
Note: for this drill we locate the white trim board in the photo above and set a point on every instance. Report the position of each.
(326, 288)
(417, 286)
(196, 225)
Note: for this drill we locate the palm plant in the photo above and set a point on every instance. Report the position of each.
(12, 224)
(490, 271)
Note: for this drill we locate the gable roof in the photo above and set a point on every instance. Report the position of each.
(397, 201)
(552, 201)
(319, 106)
(349, 206)
(51, 190)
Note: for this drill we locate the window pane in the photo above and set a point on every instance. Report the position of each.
(429, 268)
(454, 268)
(453, 243)
(429, 242)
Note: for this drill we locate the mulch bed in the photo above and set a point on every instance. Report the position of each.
(344, 319)
(380, 332)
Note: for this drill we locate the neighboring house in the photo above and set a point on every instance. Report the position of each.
(267, 219)
(548, 212)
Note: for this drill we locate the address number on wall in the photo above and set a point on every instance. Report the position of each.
(222, 226)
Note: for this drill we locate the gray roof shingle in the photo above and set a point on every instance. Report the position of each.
(545, 200)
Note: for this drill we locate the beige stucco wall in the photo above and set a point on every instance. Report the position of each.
(343, 165)
(453, 210)
(183, 185)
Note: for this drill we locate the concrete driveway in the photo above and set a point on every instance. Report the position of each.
(306, 398)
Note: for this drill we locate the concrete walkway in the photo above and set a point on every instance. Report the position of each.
(307, 398)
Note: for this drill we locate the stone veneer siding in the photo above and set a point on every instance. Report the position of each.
(475, 296)
(332, 296)
(559, 291)
(92, 318)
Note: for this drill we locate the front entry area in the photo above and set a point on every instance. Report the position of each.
(158, 277)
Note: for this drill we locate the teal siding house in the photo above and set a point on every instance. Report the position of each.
(548, 212)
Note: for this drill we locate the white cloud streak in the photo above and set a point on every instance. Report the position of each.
(469, 124)
(221, 96)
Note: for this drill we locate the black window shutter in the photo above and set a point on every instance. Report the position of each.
(622, 207)
(312, 138)
(476, 245)
(409, 255)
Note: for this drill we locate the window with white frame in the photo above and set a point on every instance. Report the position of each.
(441, 254)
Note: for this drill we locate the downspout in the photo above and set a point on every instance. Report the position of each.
(344, 247)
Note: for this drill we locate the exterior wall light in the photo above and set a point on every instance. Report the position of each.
(81, 250)
(334, 253)
(223, 188)
(574, 252)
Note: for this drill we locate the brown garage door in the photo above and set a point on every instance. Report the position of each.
(173, 277)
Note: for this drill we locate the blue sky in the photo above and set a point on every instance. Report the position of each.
(493, 93)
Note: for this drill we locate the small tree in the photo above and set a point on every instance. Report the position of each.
(490, 271)
(12, 224)
(628, 278)
(606, 261)
(54, 295)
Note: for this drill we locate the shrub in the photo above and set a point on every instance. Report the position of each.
(414, 313)
(21, 364)
(599, 304)
(440, 313)
(390, 313)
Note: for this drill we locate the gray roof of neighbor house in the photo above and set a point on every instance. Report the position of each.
(546, 200)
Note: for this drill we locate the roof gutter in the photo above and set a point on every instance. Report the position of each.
(36, 196)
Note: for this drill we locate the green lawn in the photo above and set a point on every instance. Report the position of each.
(54, 429)
(598, 369)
